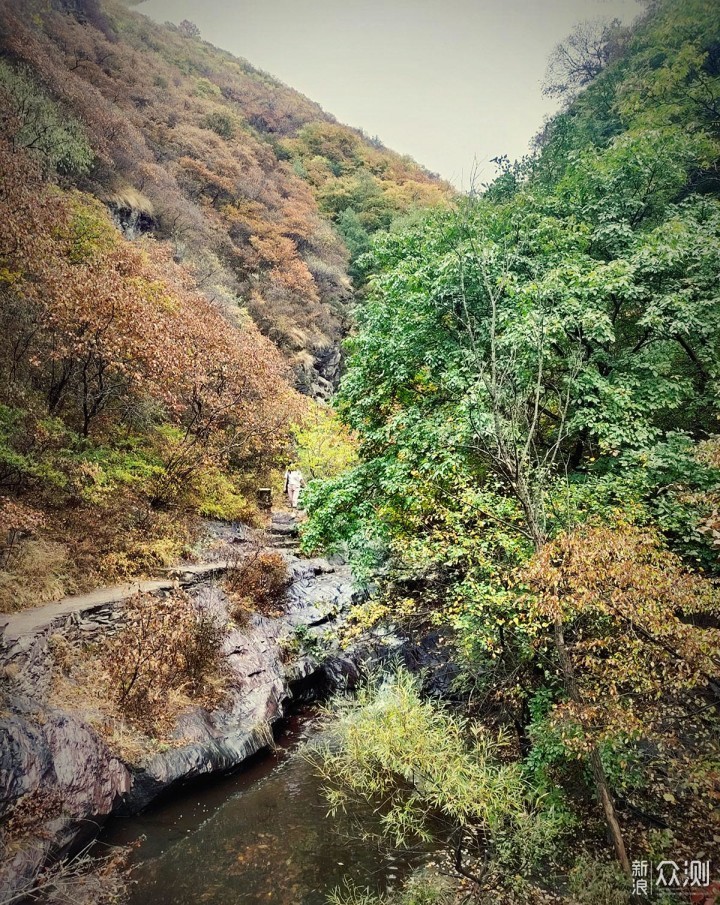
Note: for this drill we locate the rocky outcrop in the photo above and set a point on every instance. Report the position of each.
(132, 212)
(317, 373)
(55, 765)
(70, 780)
(264, 681)
(328, 367)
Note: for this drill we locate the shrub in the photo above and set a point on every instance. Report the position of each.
(599, 883)
(217, 496)
(167, 645)
(257, 582)
(30, 812)
(424, 767)
(423, 888)
(17, 520)
(39, 124)
(220, 123)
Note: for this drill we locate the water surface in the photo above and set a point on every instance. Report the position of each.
(261, 836)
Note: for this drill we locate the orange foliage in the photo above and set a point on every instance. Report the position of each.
(205, 138)
(95, 322)
(640, 627)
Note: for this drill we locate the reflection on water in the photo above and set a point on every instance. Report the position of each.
(260, 837)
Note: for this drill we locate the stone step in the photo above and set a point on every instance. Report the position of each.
(288, 530)
(283, 518)
(285, 543)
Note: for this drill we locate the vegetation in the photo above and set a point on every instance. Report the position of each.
(163, 647)
(126, 393)
(133, 683)
(168, 273)
(424, 888)
(324, 447)
(534, 389)
(228, 164)
(438, 778)
(524, 452)
(257, 583)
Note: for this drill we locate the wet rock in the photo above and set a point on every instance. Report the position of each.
(66, 774)
(433, 658)
(192, 761)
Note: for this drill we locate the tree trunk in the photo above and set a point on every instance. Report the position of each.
(598, 771)
(573, 692)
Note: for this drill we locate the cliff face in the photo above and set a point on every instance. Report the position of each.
(255, 188)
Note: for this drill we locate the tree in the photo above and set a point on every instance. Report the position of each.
(38, 124)
(582, 56)
(520, 427)
(543, 357)
(189, 29)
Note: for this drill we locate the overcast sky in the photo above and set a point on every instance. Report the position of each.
(449, 82)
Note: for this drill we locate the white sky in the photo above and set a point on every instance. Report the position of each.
(450, 82)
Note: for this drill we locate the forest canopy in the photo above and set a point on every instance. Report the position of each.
(176, 270)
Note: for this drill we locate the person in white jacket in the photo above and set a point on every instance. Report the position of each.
(294, 483)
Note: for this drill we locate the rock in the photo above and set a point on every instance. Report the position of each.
(72, 780)
(283, 518)
(328, 364)
(286, 529)
(432, 657)
(59, 755)
(90, 779)
(24, 760)
(133, 219)
(192, 761)
(56, 753)
(320, 376)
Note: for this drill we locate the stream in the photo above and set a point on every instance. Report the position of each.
(261, 835)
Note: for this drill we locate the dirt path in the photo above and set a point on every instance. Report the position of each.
(15, 626)
(282, 533)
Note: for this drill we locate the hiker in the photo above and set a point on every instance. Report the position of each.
(294, 482)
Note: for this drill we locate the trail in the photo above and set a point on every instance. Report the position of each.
(282, 533)
(273, 662)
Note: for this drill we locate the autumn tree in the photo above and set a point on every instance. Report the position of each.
(189, 29)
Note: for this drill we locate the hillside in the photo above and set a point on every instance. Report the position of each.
(239, 172)
(178, 232)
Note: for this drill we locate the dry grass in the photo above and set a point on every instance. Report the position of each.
(132, 199)
(81, 686)
(93, 548)
(38, 571)
(85, 879)
(110, 545)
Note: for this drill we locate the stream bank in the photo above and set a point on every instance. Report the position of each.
(258, 837)
(56, 768)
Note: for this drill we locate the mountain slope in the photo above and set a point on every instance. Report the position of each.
(239, 172)
(163, 205)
